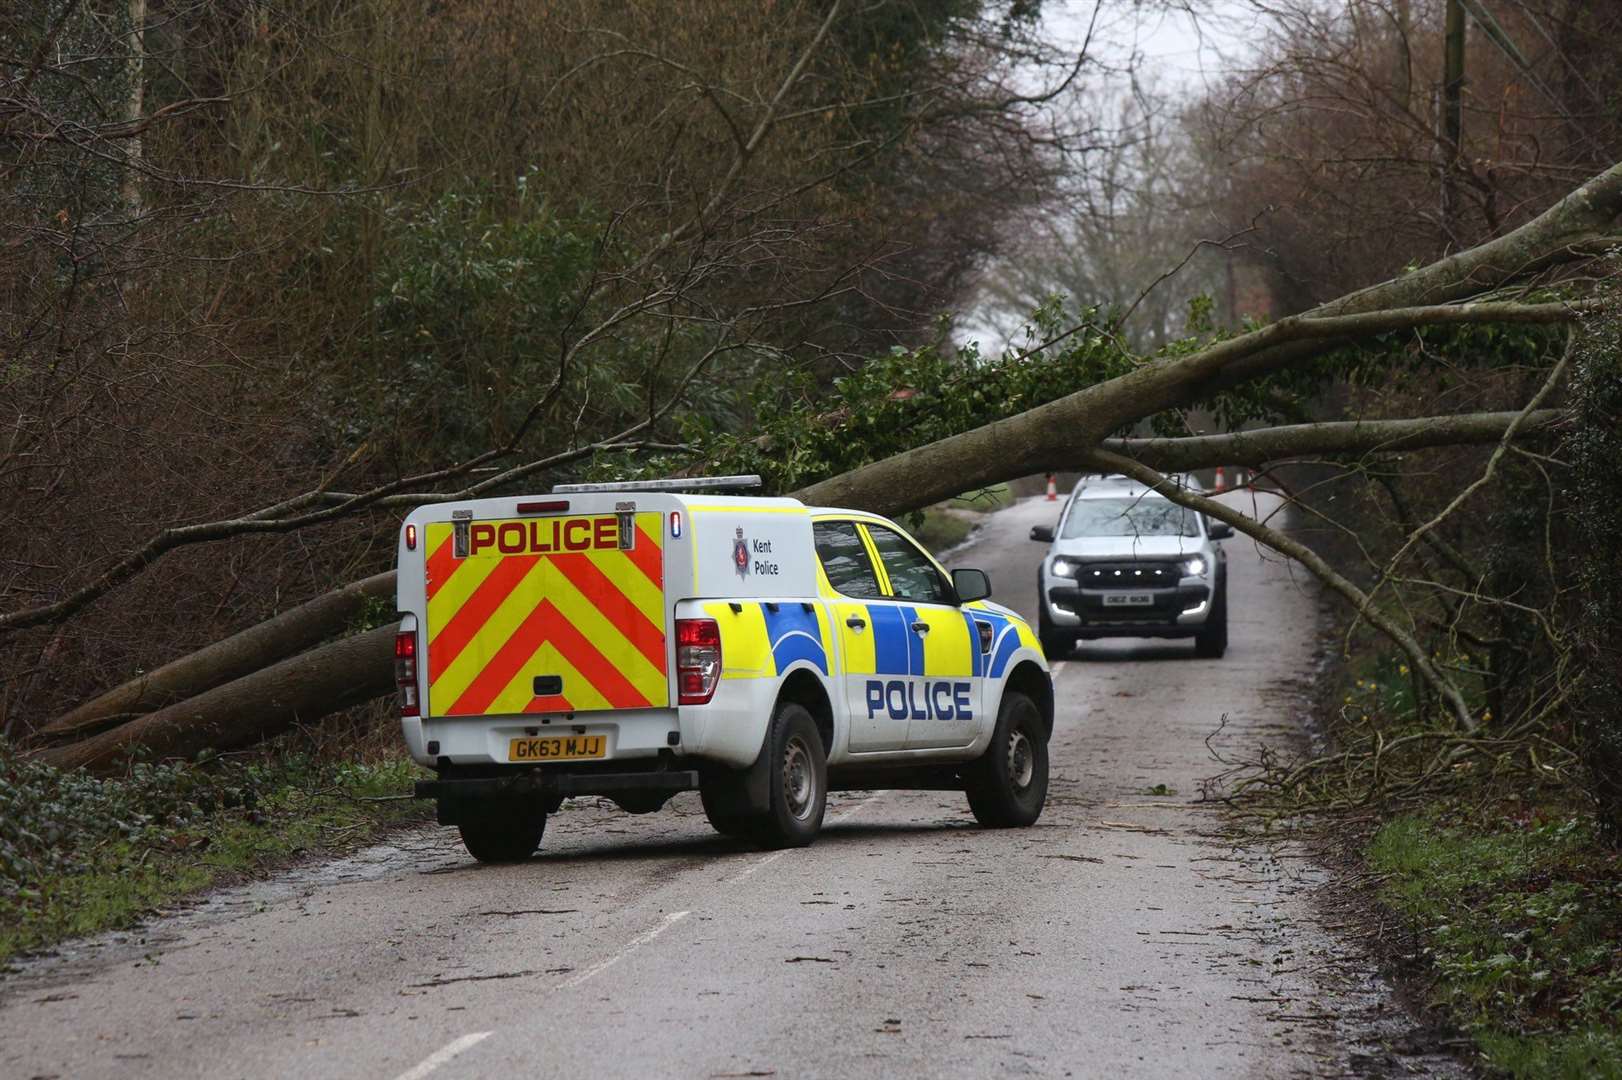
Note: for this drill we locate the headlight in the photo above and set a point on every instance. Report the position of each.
(1195, 567)
(1063, 568)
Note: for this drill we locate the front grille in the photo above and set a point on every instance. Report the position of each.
(1128, 575)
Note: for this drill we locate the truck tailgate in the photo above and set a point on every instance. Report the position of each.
(546, 614)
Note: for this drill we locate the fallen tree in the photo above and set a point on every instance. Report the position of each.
(1077, 429)
(304, 688)
(288, 634)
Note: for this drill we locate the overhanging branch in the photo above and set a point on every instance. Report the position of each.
(1265, 445)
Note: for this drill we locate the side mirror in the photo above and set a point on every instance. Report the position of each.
(1221, 530)
(971, 585)
(1042, 534)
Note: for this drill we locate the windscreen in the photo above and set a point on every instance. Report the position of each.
(1141, 516)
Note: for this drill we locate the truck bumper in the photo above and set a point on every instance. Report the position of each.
(549, 786)
(1175, 612)
(544, 782)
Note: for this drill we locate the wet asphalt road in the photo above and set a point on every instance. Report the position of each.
(1126, 935)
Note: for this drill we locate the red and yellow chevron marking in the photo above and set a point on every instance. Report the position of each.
(546, 596)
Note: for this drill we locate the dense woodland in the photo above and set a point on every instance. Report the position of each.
(272, 271)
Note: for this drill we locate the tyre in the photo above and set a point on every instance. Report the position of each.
(727, 824)
(503, 832)
(1008, 785)
(797, 779)
(1212, 640)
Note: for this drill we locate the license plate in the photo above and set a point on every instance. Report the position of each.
(1130, 599)
(558, 748)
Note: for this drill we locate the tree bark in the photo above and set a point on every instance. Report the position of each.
(1270, 445)
(240, 713)
(241, 654)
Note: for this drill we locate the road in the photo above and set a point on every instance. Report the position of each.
(1128, 934)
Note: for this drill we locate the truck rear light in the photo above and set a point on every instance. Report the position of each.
(698, 660)
(675, 524)
(411, 537)
(405, 672)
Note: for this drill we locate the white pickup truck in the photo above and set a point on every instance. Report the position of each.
(633, 641)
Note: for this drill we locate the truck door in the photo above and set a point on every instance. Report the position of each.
(944, 683)
(862, 617)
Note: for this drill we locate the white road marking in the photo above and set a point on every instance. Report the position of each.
(444, 1054)
(774, 856)
(1059, 665)
(625, 950)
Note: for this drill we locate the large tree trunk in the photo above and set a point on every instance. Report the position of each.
(347, 672)
(1068, 430)
(243, 712)
(1579, 224)
(241, 654)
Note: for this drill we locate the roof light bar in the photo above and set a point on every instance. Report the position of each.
(691, 483)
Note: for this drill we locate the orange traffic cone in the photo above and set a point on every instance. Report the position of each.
(1221, 483)
(1053, 489)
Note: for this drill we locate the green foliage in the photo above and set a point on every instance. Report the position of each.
(808, 429)
(473, 309)
(80, 853)
(490, 302)
(1520, 919)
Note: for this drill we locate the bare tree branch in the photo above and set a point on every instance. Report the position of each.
(1106, 461)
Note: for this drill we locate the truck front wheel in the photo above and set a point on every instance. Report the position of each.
(503, 832)
(797, 779)
(1008, 785)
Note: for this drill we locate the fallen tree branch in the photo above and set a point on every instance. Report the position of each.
(1267, 445)
(1498, 453)
(241, 654)
(1108, 462)
(307, 687)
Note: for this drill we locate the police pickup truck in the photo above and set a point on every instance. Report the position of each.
(637, 640)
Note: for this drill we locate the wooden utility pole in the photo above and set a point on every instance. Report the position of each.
(1452, 116)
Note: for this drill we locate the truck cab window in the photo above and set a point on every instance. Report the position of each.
(912, 576)
(844, 558)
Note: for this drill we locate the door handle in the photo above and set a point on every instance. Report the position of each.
(856, 622)
(920, 627)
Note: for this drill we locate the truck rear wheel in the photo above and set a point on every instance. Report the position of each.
(797, 779)
(1008, 785)
(503, 832)
(725, 823)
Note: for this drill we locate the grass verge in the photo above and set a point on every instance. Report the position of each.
(946, 525)
(1521, 919)
(80, 854)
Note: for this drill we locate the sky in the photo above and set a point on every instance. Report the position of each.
(1170, 46)
(1177, 46)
